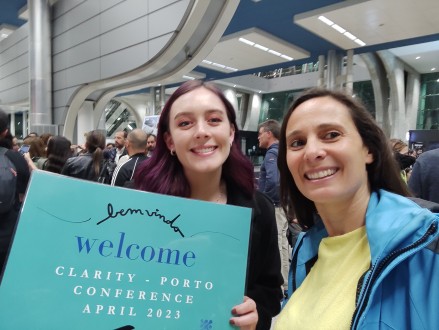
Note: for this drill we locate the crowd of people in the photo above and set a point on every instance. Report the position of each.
(365, 248)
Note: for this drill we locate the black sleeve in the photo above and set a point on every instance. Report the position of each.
(264, 272)
(22, 168)
(123, 174)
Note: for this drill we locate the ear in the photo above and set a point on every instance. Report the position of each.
(369, 157)
(169, 141)
(232, 134)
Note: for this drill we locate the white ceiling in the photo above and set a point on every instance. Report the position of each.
(375, 22)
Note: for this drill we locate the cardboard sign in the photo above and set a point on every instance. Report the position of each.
(91, 256)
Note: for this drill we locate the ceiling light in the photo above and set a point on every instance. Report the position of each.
(436, 80)
(188, 77)
(417, 57)
(248, 42)
(432, 69)
(219, 65)
(338, 28)
(360, 42)
(350, 35)
(207, 62)
(271, 51)
(258, 46)
(325, 20)
(287, 57)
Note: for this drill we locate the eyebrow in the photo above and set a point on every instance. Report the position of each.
(188, 113)
(321, 126)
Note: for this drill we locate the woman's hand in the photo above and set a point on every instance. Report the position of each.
(246, 315)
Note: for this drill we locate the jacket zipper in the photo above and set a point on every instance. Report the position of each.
(379, 269)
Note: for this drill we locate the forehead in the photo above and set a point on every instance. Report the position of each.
(119, 134)
(200, 98)
(151, 138)
(320, 110)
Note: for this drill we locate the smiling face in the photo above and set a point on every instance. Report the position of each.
(200, 132)
(325, 153)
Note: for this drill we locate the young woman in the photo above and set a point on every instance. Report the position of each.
(197, 156)
(369, 256)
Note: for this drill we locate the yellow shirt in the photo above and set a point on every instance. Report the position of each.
(326, 298)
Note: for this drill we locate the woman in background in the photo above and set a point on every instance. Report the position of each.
(369, 256)
(197, 156)
(87, 165)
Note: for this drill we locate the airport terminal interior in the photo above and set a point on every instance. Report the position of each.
(67, 67)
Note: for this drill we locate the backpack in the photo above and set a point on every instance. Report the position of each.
(104, 174)
(8, 182)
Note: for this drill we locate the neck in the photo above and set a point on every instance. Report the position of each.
(209, 188)
(344, 217)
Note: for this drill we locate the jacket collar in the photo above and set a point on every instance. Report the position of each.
(392, 222)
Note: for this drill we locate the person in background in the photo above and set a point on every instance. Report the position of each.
(368, 258)
(87, 165)
(268, 137)
(135, 146)
(151, 141)
(198, 156)
(8, 219)
(424, 179)
(402, 156)
(119, 141)
(58, 151)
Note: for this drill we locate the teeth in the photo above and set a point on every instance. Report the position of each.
(321, 174)
(205, 150)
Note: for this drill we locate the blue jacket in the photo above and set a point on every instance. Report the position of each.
(401, 288)
(269, 174)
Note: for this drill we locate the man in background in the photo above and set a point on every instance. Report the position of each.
(119, 142)
(135, 146)
(424, 178)
(268, 136)
(150, 144)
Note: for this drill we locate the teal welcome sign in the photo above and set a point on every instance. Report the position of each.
(90, 256)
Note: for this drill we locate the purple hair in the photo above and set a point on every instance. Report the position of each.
(163, 173)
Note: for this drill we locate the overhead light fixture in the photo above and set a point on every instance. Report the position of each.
(433, 69)
(342, 30)
(265, 49)
(417, 57)
(219, 65)
(6, 30)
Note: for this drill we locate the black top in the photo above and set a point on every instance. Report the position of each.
(264, 278)
(80, 167)
(124, 173)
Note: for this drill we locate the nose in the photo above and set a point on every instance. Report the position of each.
(202, 130)
(314, 150)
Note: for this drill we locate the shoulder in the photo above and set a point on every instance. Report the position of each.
(16, 158)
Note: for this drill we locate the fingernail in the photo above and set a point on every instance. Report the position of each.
(234, 311)
(232, 322)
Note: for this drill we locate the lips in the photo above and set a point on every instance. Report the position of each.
(320, 174)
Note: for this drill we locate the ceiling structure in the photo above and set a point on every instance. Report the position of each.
(269, 34)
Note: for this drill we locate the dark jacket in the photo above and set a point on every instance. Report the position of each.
(124, 172)
(80, 167)
(8, 220)
(424, 180)
(269, 174)
(264, 279)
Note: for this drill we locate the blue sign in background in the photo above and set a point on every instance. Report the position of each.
(90, 256)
